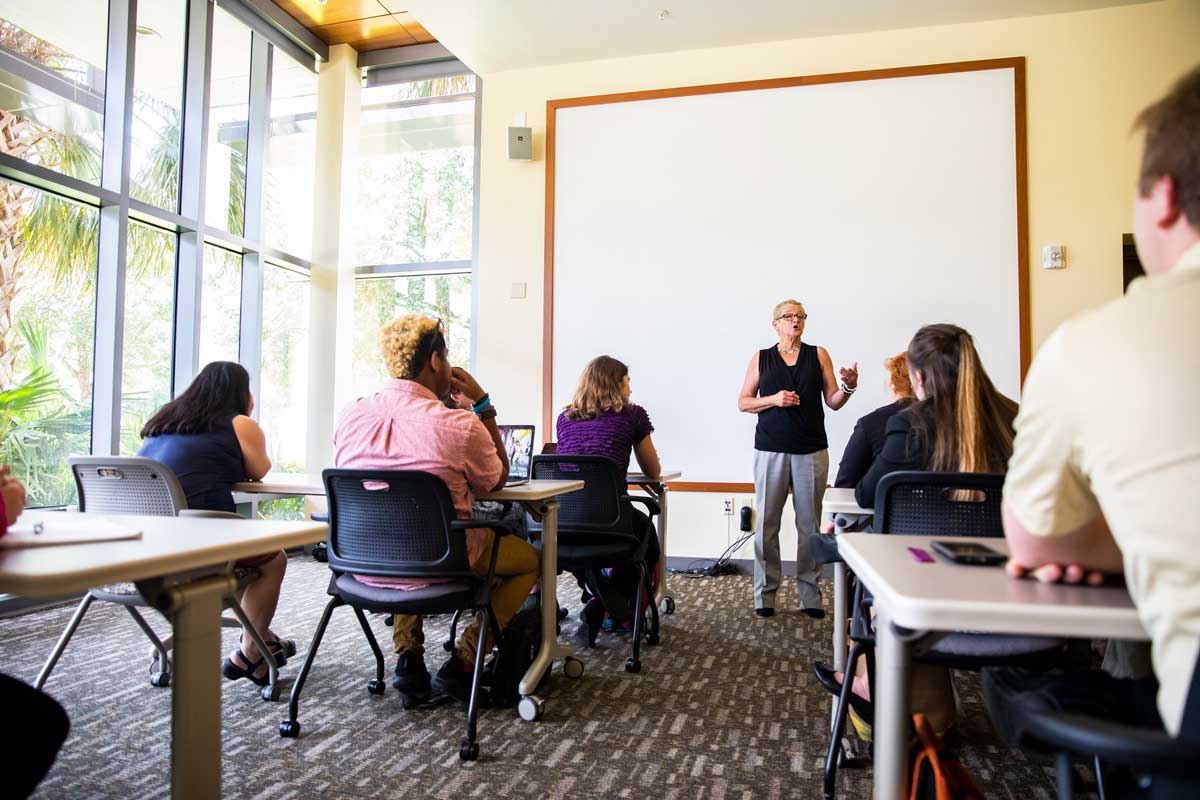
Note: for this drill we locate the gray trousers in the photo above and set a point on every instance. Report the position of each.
(774, 474)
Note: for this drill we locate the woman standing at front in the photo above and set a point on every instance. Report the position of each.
(784, 386)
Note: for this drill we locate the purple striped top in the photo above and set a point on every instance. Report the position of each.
(612, 434)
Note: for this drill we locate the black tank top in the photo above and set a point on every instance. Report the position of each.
(796, 429)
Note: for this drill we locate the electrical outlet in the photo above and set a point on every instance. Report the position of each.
(728, 506)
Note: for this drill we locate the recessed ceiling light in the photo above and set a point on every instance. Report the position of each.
(663, 13)
(147, 32)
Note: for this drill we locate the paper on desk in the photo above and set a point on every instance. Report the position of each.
(67, 529)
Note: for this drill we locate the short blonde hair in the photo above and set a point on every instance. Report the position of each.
(779, 307)
(402, 341)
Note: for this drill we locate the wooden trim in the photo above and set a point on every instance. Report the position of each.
(690, 486)
(1025, 330)
(1016, 64)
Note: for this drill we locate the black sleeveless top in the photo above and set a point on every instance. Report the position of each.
(207, 464)
(799, 430)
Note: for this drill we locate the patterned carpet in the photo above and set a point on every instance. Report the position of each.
(725, 707)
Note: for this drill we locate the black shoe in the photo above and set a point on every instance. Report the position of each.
(828, 679)
(816, 612)
(765, 612)
(454, 679)
(411, 675)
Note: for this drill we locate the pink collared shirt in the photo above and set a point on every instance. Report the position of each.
(405, 426)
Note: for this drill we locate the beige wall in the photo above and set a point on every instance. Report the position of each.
(1087, 76)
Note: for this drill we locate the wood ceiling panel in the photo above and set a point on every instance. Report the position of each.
(372, 33)
(415, 28)
(396, 6)
(312, 14)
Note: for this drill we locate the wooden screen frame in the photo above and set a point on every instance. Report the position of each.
(1016, 64)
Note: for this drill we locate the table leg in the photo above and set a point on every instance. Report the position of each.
(550, 649)
(839, 622)
(195, 611)
(893, 667)
(662, 543)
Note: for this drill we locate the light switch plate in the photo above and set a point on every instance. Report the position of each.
(518, 291)
(1054, 256)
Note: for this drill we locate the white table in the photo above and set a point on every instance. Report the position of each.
(914, 600)
(840, 501)
(182, 565)
(537, 496)
(658, 490)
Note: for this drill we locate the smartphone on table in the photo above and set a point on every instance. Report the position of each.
(969, 553)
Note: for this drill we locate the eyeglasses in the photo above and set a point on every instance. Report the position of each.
(792, 317)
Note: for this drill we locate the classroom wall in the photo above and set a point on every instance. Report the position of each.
(1088, 74)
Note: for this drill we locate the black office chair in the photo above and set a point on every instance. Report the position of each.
(595, 530)
(400, 525)
(950, 504)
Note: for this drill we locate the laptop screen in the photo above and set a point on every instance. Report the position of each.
(518, 443)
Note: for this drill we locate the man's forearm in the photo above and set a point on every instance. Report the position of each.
(1090, 546)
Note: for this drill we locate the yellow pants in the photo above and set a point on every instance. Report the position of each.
(516, 566)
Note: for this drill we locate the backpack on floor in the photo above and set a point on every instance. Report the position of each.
(936, 773)
(519, 644)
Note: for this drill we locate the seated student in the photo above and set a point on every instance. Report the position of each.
(1103, 481)
(958, 423)
(869, 432)
(600, 421)
(209, 441)
(38, 725)
(409, 426)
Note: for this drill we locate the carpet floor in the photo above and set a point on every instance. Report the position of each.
(725, 707)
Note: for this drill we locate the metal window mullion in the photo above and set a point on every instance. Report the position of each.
(113, 242)
(253, 264)
(475, 219)
(189, 276)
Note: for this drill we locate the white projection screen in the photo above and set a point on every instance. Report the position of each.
(881, 203)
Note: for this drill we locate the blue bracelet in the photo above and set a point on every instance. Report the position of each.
(482, 404)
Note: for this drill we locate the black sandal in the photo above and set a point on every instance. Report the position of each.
(282, 650)
(233, 672)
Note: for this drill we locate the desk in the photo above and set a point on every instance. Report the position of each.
(536, 496)
(840, 501)
(658, 490)
(915, 600)
(181, 564)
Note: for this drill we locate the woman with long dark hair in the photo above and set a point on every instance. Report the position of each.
(207, 438)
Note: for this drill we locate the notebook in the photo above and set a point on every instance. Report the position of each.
(65, 528)
(518, 443)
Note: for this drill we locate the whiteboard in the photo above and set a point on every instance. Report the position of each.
(679, 222)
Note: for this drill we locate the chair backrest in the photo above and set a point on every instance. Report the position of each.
(595, 508)
(127, 485)
(935, 503)
(394, 524)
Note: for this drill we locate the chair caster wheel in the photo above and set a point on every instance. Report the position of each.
(668, 605)
(289, 729)
(573, 667)
(270, 692)
(448, 646)
(468, 751)
(633, 665)
(160, 679)
(376, 686)
(652, 638)
(563, 613)
(530, 708)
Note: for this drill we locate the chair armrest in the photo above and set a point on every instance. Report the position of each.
(499, 527)
(201, 512)
(320, 516)
(652, 506)
(1143, 749)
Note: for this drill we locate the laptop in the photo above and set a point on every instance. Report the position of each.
(518, 443)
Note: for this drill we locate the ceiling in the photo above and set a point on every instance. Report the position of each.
(492, 36)
(362, 24)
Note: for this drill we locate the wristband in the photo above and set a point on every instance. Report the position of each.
(848, 391)
(486, 413)
(482, 404)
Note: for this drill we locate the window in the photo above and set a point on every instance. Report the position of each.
(377, 301)
(220, 305)
(47, 275)
(228, 124)
(283, 388)
(149, 317)
(416, 172)
(291, 157)
(158, 102)
(52, 103)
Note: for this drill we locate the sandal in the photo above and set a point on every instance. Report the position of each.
(234, 672)
(282, 650)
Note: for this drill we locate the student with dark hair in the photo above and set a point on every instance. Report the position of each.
(600, 421)
(207, 438)
(30, 746)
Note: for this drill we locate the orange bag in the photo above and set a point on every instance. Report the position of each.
(936, 773)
